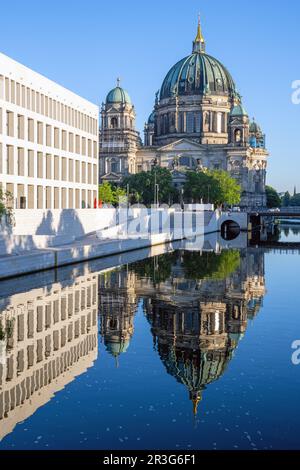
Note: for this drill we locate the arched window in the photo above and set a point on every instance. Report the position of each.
(237, 136)
(114, 123)
(114, 165)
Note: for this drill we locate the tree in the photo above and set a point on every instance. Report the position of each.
(142, 186)
(273, 198)
(210, 265)
(120, 196)
(215, 186)
(106, 193)
(6, 201)
(295, 200)
(286, 200)
(229, 189)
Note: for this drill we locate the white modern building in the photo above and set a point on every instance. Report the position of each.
(48, 142)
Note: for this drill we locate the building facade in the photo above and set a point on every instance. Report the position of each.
(48, 142)
(198, 122)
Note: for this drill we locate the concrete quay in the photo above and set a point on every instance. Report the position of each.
(77, 252)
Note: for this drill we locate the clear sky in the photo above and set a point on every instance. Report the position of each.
(86, 45)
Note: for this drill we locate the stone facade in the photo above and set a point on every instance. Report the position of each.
(198, 122)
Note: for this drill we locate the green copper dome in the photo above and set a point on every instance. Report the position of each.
(239, 110)
(118, 95)
(197, 74)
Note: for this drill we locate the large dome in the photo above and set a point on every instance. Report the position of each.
(197, 74)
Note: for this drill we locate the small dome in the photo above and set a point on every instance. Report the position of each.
(115, 349)
(118, 95)
(239, 110)
(151, 119)
(254, 128)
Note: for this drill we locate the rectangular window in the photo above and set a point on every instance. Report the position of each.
(21, 127)
(89, 173)
(64, 140)
(30, 164)
(40, 201)
(21, 201)
(77, 149)
(49, 167)
(71, 170)
(95, 149)
(77, 198)
(40, 166)
(40, 129)
(30, 197)
(89, 148)
(77, 168)
(83, 146)
(64, 169)
(56, 167)
(71, 198)
(48, 197)
(9, 159)
(56, 198)
(10, 123)
(95, 175)
(71, 142)
(63, 198)
(18, 94)
(48, 136)
(56, 137)
(30, 130)
(21, 168)
(83, 172)
(12, 92)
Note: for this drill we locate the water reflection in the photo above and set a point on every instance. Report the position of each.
(48, 337)
(197, 305)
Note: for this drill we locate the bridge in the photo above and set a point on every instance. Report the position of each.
(286, 212)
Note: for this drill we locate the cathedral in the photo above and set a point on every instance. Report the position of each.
(198, 122)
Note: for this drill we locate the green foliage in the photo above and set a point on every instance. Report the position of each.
(210, 265)
(214, 186)
(295, 200)
(273, 199)
(6, 201)
(142, 186)
(158, 268)
(286, 200)
(108, 194)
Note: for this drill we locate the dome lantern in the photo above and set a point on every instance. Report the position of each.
(199, 42)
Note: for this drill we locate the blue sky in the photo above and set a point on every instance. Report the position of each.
(86, 45)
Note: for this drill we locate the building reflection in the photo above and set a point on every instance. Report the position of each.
(198, 307)
(199, 314)
(48, 336)
(117, 307)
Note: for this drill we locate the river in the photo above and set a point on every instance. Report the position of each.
(181, 347)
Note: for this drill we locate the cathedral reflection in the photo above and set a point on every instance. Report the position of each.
(117, 307)
(197, 305)
(198, 316)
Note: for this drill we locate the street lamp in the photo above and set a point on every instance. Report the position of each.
(208, 190)
(154, 166)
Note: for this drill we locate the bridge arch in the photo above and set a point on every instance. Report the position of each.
(230, 230)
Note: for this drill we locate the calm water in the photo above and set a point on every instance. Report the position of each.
(182, 350)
